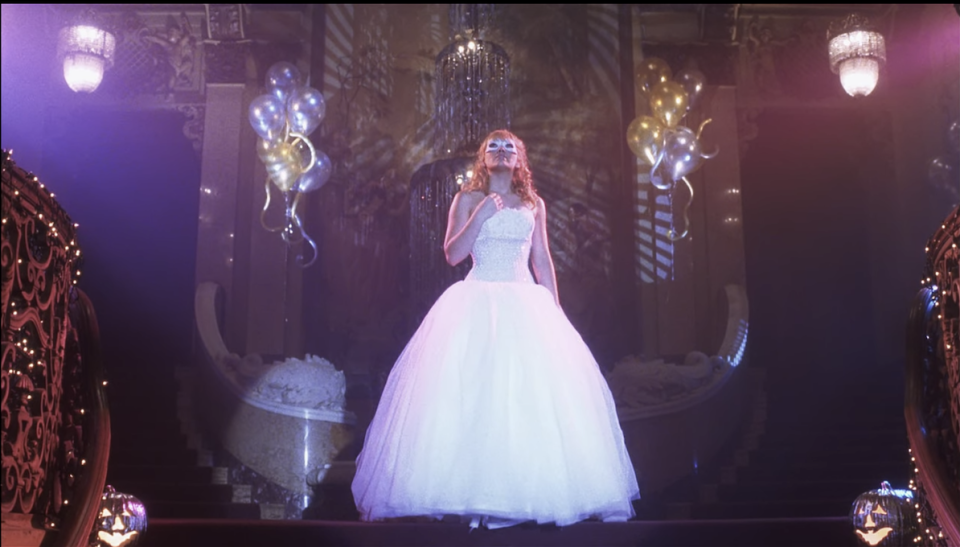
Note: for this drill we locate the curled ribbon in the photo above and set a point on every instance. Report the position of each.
(300, 137)
(309, 240)
(292, 230)
(699, 131)
(655, 179)
(266, 205)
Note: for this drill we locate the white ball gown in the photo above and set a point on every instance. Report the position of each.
(496, 410)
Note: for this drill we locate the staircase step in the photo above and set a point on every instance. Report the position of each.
(829, 507)
(818, 455)
(792, 491)
(200, 510)
(823, 532)
(828, 431)
(158, 418)
(823, 430)
(867, 472)
(178, 491)
(152, 454)
(838, 419)
(854, 406)
(129, 384)
(159, 435)
(800, 438)
(134, 406)
(332, 502)
(161, 473)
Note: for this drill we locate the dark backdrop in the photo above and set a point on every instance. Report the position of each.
(131, 180)
(806, 220)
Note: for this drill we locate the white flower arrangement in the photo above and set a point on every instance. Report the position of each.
(311, 383)
(636, 383)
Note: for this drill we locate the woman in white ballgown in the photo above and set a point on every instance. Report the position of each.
(496, 410)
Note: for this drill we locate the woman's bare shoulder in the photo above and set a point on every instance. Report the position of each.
(468, 198)
(539, 204)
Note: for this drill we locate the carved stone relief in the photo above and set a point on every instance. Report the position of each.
(785, 59)
(159, 63)
(157, 54)
(226, 62)
(193, 127)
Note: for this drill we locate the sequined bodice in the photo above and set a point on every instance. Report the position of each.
(501, 251)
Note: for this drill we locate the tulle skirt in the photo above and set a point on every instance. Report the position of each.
(496, 409)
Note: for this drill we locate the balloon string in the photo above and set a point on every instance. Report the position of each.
(686, 216)
(266, 205)
(293, 217)
(292, 238)
(296, 201)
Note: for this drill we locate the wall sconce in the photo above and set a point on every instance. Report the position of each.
(86, 51)
(856, 53)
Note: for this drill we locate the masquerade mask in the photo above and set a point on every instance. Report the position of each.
(501, 146)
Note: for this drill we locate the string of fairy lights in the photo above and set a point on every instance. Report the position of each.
(928, 533)
(924, 530)
(47, 228)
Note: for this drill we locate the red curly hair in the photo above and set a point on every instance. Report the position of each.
(522, 183)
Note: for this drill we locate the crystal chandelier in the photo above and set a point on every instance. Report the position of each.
(86, 51)
(472, 100)
(472, 91)
(856, 53)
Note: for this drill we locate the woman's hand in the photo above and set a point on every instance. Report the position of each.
(490, 205)
(468, 212)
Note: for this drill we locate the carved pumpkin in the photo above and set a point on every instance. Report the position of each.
(884, 517)
(122, 520)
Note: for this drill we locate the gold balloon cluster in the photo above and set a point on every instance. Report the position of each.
(284, 117)
(670, 150)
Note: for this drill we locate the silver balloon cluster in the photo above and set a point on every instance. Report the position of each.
(670, 150)
(284, 117)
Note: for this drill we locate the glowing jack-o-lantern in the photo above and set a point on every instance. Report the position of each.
(884, 517)
(122, 520)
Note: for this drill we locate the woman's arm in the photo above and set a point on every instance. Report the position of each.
(540, 253)
(468, 212)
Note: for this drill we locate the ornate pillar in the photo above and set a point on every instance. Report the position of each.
(682, 282)
(722, 236)
(258, 271)
(221, 232)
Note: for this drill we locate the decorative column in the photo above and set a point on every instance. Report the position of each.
(225, 178)
(258, 271)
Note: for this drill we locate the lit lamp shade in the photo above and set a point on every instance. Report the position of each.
(857, 55)
(86, 52)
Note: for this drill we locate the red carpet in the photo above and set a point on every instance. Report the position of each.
(821, 532)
